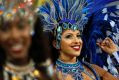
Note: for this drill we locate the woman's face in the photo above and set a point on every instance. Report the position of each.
(71, 43)
(15, 39)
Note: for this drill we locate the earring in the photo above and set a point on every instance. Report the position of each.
(57, 44)
(32, 32)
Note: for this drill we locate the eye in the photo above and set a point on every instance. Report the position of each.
(78, 36)
(21, 26)
(5, 27)
(68, 36)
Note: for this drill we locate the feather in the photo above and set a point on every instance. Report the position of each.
(66, 10)
(99, 4)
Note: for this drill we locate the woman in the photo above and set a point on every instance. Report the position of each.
(65, 20)
(22, 52)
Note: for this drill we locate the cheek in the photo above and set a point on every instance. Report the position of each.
(65, 44)
(26, 35)
(3, 37)
(81, 42)
(26, 32)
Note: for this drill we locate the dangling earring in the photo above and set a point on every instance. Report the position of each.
(58, 36)
(57, 44)
(58, 39)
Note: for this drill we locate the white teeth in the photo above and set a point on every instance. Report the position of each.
(16, 46)
(76, 47)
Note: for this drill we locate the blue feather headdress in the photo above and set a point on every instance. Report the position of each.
(55, 12)
(64, 14)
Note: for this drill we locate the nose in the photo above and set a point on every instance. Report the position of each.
(76, 40)
(14, 33)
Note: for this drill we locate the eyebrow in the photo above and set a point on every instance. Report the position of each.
(68, 34)
(72, 34)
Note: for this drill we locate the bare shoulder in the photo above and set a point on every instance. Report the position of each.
(103, 73)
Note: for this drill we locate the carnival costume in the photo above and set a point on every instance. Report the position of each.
(59, 15)
(105, 23)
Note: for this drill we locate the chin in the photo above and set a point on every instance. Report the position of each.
(75, 54)
(19, 56)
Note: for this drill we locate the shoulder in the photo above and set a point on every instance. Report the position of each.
(103, 73)
(89, 69)
(99, 72)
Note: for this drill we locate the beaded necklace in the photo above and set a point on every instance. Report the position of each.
(74, 70)
(18, 73)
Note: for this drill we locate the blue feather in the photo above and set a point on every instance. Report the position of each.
(66, 10)
(99, 4)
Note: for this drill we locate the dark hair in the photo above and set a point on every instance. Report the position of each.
(2, 56)
(40, 50)
(54, 51)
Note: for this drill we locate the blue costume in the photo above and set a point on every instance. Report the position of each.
(59, 15)
(104, 23)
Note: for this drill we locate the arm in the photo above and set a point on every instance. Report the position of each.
(104, 74)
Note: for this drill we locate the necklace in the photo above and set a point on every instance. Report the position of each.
(73, 69)
(17, 72)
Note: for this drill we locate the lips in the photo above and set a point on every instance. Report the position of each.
(77, 47)
(16, 48)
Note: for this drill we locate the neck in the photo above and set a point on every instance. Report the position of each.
(19, 62)
(67, 58)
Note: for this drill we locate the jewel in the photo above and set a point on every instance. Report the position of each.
(36, 73)
(16, 78)
(59, 29)
(65, 26)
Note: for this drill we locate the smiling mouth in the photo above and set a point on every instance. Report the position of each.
(16, 48)
(77, 48)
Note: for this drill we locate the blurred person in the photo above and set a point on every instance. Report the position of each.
(24, 54)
